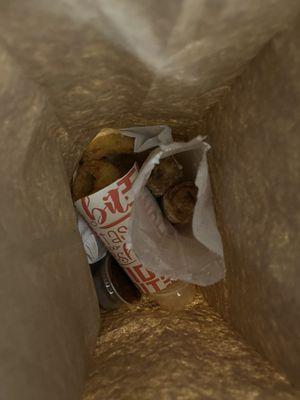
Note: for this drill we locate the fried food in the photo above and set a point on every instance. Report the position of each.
(104, 173)
(82, 184)
(94, 175)
(165, 175)
(108, 141)
(124, 162)
(179, 202)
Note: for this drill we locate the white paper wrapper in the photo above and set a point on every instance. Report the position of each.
(131, 225)
(194, 253)
(93, 246)
(109, 212)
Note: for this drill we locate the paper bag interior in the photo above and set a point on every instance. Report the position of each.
(229, 70)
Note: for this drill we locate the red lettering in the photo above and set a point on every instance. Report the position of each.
(102, 216)
(154, 284)
(144, 288)
(139, 269)
(85, 205)
(131, 274)
(128, 252)
(115, 205)
(123, 260)
(126, 180)
(123, 229)
(114, 237)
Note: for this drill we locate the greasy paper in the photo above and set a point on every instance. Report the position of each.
(194, 253)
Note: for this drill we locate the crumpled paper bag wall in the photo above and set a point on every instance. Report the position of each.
(67, 69)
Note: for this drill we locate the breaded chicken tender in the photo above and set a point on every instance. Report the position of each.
(104, 173)
(108, 141)
(92, 176)
(164, 175)
(82, 183)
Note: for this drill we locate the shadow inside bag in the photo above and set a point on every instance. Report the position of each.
(152, 212)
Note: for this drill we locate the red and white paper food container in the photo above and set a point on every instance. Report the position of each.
(108, 213)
